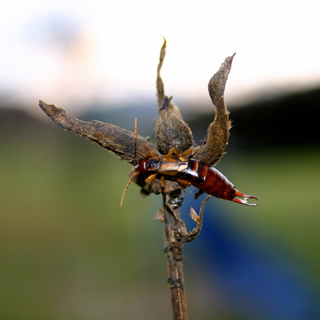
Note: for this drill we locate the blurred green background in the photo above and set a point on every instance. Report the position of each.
(68, 251)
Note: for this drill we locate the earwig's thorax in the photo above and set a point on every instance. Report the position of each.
(154, 164)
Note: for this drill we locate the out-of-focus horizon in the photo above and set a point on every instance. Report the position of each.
(74, 53)
(67, 249)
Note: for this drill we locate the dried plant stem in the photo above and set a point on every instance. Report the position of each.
(174, 265)
(175, 236)
(172, 133)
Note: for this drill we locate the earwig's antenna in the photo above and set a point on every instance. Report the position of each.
(127, 186)
(135, 156)
(135, 138)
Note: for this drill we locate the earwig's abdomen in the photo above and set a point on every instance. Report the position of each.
(208, 179)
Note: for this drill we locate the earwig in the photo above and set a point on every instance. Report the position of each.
(188, 172)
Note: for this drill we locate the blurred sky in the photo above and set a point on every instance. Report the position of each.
(72, 53)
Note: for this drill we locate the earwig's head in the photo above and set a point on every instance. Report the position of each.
(151, 163)
(142, 166)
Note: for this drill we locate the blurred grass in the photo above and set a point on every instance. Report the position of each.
(65, 241)
(68, 251)
(286, 183)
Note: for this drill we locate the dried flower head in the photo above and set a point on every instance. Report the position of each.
(171, 130)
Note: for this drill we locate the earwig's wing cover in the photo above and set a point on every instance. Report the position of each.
(171, 130)
(218, 131)
(113, 138)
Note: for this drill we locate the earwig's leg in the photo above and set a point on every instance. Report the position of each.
(191, 152)
(151, 177)
(184, 153)
(198, 194)
(172, 151)
(163, 184)
(239, 194)
(184, 184)
(195, 151)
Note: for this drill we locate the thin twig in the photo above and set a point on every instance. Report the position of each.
(176, 235)
(174, 264)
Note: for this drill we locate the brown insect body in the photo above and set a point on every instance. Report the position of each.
(211, 181)
(190, 172)
(166, 165)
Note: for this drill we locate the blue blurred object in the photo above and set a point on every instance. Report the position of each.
(254, 281)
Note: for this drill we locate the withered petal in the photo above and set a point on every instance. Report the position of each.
(113, 138)
(218, 132)
(160, 86)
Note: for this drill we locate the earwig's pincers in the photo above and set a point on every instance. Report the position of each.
(239, 194)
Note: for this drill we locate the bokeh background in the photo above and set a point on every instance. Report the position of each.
(67, 250)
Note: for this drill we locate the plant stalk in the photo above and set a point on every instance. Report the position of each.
(174, 263)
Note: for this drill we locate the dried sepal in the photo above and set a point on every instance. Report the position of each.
(159, 215)
(194, 216)
(171, 131)
(160, 86)
(218, 131)
(113, 138)
(196, 231)
(181, 235)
